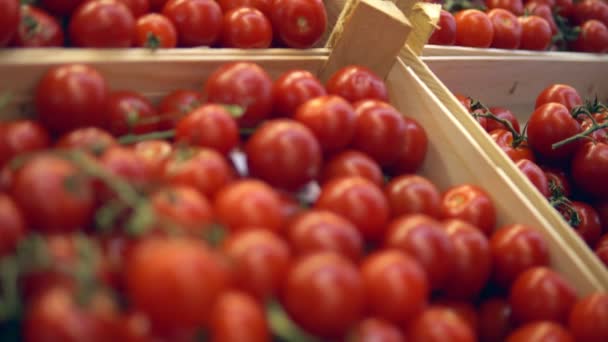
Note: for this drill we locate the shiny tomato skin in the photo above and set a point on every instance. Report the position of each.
(253, 93)
(549, 124)
(589, 166)
(137, 7)
(560, 93)
(246, 28)
(541, 294)
(438, 324)
(540, 331)
(324, 294)
(515, 249)
(294, 88)
(505, 114)
(125, 163)
(352, 163)
(9, 17)
(198, 22)
(238, 317)
(593, 37)
(544, 11)
(46, 31)
(154, 154)
(299, 24)
(102, 24)
(504, 139)
(154, 30)
(473, 29)
(413, 153)
(507, 29)
(535, 34)
(21, 137)
(262, 5)
(471, 204)
(413, 194)
(182, 208)
(13, 227)
(588, 318)
(462, 308)
(590, 9)
(93, 140)
(434, 255)
(177, 104)
(445, 33)
(376, 329)
(83, 92)
(513, 6)
(535, 174)
(589, 228)
(209, 126)
(359, 201)
(130, 112)
(356, 83)
(495, 321)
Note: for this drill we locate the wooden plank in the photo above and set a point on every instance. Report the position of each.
(439, 50)
(423, 17)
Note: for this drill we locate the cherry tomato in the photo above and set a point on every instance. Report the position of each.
(474, 29)
(543, 11)
(20, 137)
(589, 228)
(37, 29)
(60, 8)
(177, 104)
(324, 294)
(541, 331)
(126, 164)
(102, 24)
(155, 31)
(352, 163)
(237, 317)
(535, 33)
(137, 7)
(590, 9)
(413, 151)
(210, 126)
(515, 249)
(541, 294)
(376, 329)
(507, 29)
(471, 204)
(434, 255)
(463, 309)
(83, 92)
(319, 230)
(358, 200)
(445, 32)
(504, 139)
(589, 165)
(535, 174)
(9, 19)
(602, 210)
(356, 83)
(413, 194)
(294, 88)
(560, 93)
(505, 114)
(549, 124)
(564, 8)
(12, 225)
(494, 320)
(513, 6)
(438, 324)
(558, 182)
(154, 154)
(130, 112)
(588, 317)
(246, 28)
(93, 140)
(182, 208)
(262, 5)
(243, 84)
(198, 22)
(299, 24)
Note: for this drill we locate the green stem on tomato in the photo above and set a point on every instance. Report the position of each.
(518, 138)
(135, 138)
(282, 327)
(583, 135)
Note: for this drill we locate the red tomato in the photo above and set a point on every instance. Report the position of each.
(376, 329)
(260, 260)
(299, 23)
(602, 253)
(21, 137)
(543, 11)
(474, 29)
(246, 28)
(541, 294)
(352, 163)
(210, 126)
(138, 7)
(602, 209)
(505, 114)
(590, 9)
(549, 124)
(560, 93)
(588, 318)
(319, 230)
(445, 32)
(589, 228)
(12, 225)
(541, 331)
(9, 20)
(243, 84)
(102, 24)
(324, 294)
(183, 209)
(438, 324)
(356, 83)
(515, 249)
(536, 176)
(262, 5)
(471, 204)
(177, 104)
(198, 22)
(37, 29)
(504, 139)
(249, 203)
(514, 6)
(60, 8)
(126, 164)
(54, 194)
(434, 255)
(557, 178)
(83, 93)
(413, 194)
(155, 31)
(589, 166)
(130, 112)
(413, 151)
(93, 140)
(463, 309)
(358, 200)
(237, 317)
(535, 34)
(292, 89)
(464, 100)
(471, 260)
(494, 320)
(564, 8)
(154, 154)
(507, 29)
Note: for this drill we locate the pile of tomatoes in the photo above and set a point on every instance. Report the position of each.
(527, 25)
(248, 24)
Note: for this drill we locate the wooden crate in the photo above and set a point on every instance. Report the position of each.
(439, 50)
(514, 82)
(454, 157)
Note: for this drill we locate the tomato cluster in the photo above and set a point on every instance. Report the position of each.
(527, 25)
(247, 24)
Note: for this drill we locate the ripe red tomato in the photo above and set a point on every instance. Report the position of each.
(434, 255)
(210, 126)
(515, 249)
(413, 151)
(125, 163)
(514, 6)
(471, 204)
(45, 177)
(504, 139)
(130, 112)
(564, 8)
(102, 24)
(474, 29)
(507, 29)
(292, 89)
(494, 320)
(543, 11)
(352, 163)
(260, 261)
(12, 225)
(560, 93)
(332, 120)
(356, 83)
(505, 114)
(589, 165)
(589, 228)
(320, 230)
(601, 250)
(9, 19)
(246, 28)
(83, 92)
(154, 154)
(536, 176)
(324, 294)
(541, 331)
(299, 24)
(37, 29)
(19, 137)
(541, 294)
(445, 32)
(376, 329)
(549, 124)
(198, 22)
(438, 324)
(243, 84)
(177, 104)
(464, 309)
(237, 317)
(588, 317)
(602, 210)
(137, 7)
(248, 203)
(182, 208)
(60, 8)
(535, 33)
(413, 194)
(359, 201)
(590, 9)
(93, 140)
(471, 260)
(559, 180)
(262, 5)
(284, 153)
(155, 31)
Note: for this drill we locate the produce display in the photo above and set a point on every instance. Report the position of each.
(250, 24)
